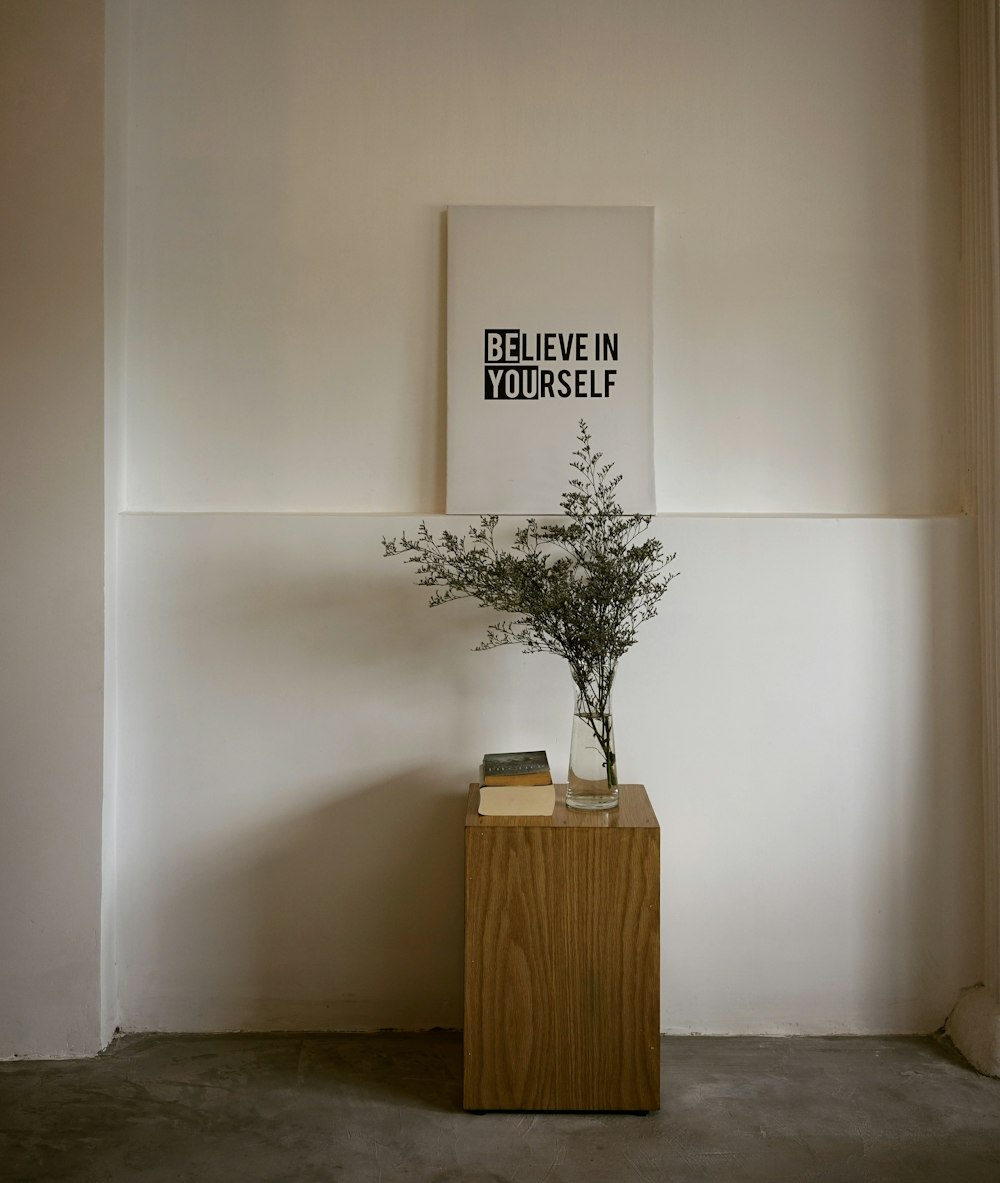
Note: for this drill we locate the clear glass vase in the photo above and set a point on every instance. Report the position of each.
(593, 771)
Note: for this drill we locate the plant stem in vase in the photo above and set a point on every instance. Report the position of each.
(593, 769)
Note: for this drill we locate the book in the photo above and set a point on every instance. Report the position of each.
(516, 768)
(517, 800)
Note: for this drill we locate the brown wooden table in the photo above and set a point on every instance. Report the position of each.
(562, 958)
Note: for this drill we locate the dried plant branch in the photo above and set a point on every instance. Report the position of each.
(578, 588)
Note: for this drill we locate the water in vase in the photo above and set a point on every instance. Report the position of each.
(590, 785)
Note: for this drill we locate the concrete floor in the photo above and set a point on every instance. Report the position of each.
(299, 1109)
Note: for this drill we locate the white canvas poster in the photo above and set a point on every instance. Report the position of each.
(549, 322)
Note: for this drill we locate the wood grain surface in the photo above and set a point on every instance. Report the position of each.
(633, 809)
(562, 980)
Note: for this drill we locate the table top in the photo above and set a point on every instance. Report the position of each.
(634, 812)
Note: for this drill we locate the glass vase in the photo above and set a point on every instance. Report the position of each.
(593, 772)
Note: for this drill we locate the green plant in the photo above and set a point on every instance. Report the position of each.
(577, 588)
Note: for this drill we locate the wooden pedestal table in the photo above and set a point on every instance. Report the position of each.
(562, 958)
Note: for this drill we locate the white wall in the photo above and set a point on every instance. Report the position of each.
(289, 167)
(297, 729)
(51, 507)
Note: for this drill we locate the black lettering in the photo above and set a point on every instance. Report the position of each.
(501, 345)
(493, 350)
(511, 382)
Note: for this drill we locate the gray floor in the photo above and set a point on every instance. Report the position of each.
(300, 1109)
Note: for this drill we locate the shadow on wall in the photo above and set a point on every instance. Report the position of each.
(927, 906)
(282, 606)
(336, 916)
(303, 664)
(298, 733)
